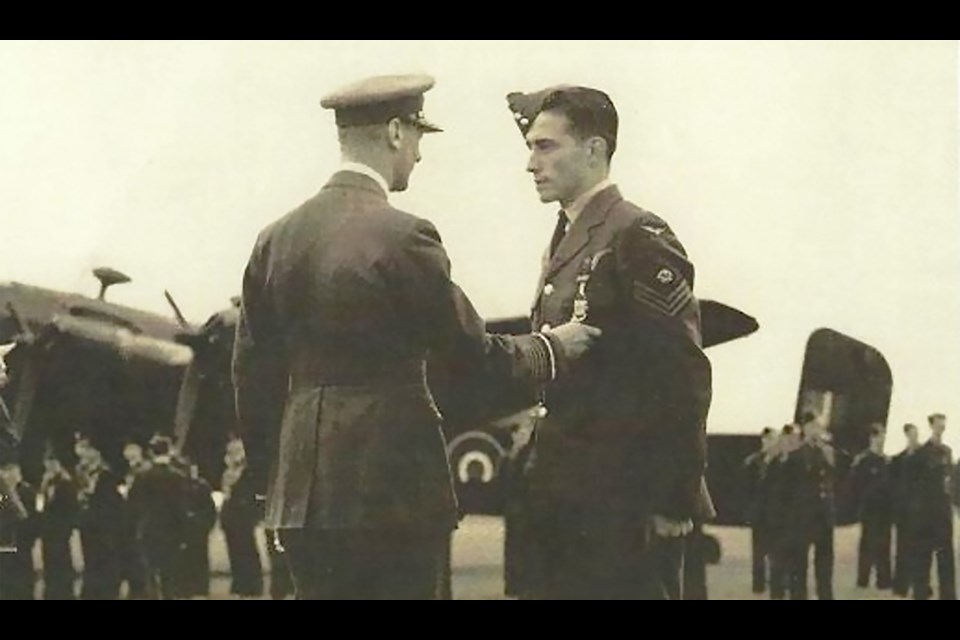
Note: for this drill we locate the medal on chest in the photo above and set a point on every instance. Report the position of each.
(581, 301)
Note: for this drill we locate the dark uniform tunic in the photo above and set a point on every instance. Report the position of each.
(342, 301)
(57, 522)
(158, 498)
(905, 475)
(12, 509)
(624, 438)
(932, 515)
(200, 520)
(239, 516)
(132, 569)
(17, 573)
(808, 495)
(100, 524)
(778, 522)
(874, 493)
(756, 468)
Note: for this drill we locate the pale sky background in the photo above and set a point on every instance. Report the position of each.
(813, 184)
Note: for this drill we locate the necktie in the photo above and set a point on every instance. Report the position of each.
(559, 231)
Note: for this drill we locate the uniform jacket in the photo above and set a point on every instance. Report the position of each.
(342, 300)
(807, 489)
(101, 504)
(59, 505)
(755, 468)
(625, 430)
(932, 499)
(873, 486)
(906, 478)
(12, 509)
(158, 499)
(201, 510)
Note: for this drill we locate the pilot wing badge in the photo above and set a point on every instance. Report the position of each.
(663, 291)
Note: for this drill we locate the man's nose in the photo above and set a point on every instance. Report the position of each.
(533, 166)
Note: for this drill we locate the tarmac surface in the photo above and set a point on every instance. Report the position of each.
(478, 564)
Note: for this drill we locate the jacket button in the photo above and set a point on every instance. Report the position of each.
(547, 289)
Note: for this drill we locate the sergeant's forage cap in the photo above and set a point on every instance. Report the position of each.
(379, 99)
(585, 103)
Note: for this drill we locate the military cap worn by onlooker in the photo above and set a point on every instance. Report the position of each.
(379, 99)
(622, 438)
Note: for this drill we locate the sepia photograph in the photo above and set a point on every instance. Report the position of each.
(479, 320)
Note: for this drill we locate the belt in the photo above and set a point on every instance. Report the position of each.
(328, 372)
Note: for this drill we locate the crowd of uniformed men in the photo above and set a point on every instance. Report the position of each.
(908, 497)
(147, 526)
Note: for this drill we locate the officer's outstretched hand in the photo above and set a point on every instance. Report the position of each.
(576, 338)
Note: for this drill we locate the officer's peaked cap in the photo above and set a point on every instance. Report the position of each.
(379, 99)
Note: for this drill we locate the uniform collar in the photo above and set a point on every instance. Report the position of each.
(577, 206)
(366, 170)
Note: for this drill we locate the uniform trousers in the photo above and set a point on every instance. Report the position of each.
(366, 564)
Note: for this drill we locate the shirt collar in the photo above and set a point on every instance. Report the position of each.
(367, 170)
(577, 206)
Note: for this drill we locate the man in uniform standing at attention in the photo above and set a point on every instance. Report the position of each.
(342, 301)
(13, 511)
(158, 500)
(933, 506)
(874, 494)
(615, 475)
(808, 496)
(905, 476)
(756, 466)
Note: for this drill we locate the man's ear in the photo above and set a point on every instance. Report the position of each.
(394, 133)
(598, 148)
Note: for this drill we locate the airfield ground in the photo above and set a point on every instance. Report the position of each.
(478, 564)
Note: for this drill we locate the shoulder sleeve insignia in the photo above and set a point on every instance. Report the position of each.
(665, 276)
(663, 291)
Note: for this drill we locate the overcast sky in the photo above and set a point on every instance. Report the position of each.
(813, 184)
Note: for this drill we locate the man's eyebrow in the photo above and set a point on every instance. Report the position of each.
(537, 141)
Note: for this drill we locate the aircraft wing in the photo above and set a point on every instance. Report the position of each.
(721, 323)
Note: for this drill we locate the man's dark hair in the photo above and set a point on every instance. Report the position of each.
(590, 113)
(807, 417)
(935, 416)
(909, 426)
(877, 430)
(161, 446)
(788, 429)
(766, 431)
